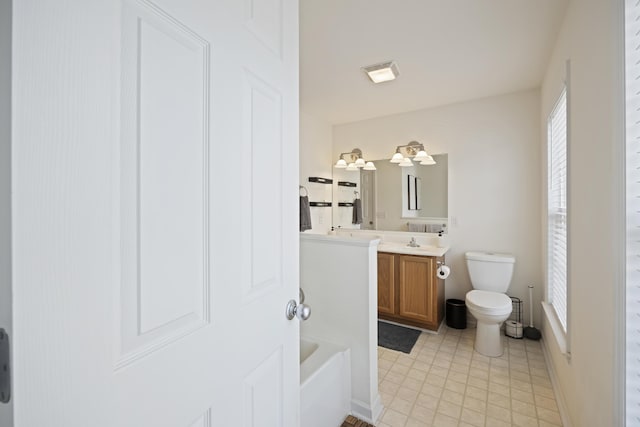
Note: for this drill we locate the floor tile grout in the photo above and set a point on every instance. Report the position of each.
(471, 389)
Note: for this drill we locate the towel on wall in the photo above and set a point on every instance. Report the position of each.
(305, 214)
(434, 228)
(357, 212)
(416, 227)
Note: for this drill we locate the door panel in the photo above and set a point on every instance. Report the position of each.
(263, 152)
(155, 201)
(264, 18)
(263, 392)
(164, 188)
(170, 167)
(203, 421)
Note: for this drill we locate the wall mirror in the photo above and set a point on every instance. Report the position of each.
(394, 197)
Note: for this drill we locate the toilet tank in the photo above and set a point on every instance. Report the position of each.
(490, 271)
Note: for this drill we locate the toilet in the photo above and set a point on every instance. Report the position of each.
(490, 275)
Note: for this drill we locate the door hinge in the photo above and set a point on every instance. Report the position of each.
(5, 367)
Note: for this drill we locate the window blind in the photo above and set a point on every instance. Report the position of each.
(557, 210)
(632, 61)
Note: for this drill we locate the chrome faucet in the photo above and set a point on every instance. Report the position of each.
(413, 243)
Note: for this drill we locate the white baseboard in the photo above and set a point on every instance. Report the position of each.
(377, 409)
(557, 391)
(365, 412)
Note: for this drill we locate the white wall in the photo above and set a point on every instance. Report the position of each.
(590, 39)
(494, 176)
(5, 184)
(340, 281)
(316, 158)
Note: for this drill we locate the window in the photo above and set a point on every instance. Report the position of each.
(557, 210)
(632, 60)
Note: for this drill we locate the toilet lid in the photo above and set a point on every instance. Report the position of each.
(488, 300)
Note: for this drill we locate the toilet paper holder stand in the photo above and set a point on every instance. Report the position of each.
(439, 270)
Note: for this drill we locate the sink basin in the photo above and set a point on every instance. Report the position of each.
(403, 248)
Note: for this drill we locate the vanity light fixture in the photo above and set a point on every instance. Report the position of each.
(353, 161)
(422, 155)
(383, 72)
(369, 166)
(397, 158)
(428, 161)
(413, 149)
(341, 164)
(406, 162)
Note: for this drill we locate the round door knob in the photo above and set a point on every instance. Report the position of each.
(301, 311)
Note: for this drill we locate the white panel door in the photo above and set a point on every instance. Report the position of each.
(154, 213)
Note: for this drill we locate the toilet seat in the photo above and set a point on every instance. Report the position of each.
(488, 302)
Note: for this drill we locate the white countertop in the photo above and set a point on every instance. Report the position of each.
(402, 248)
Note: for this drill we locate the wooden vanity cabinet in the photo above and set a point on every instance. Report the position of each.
(409, 290)
(387, 283)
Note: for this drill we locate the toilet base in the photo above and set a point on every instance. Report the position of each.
(488, 340)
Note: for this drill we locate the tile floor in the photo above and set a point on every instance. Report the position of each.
(444, 382)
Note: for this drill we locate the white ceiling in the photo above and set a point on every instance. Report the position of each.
(447, 51)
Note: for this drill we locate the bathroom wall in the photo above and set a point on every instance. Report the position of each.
(316, 159)
(494, 177)
(591, 39)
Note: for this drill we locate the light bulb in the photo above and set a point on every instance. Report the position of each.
(369, 166)
(420, 156)
(428, 161)
(397, 158)
(406, 163)
(341, 164)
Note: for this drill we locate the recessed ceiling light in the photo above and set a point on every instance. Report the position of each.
(383, 72)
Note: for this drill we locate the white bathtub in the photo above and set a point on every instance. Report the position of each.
(325, 383)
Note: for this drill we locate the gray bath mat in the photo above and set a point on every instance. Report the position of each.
(397, 337)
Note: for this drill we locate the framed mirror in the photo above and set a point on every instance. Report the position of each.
(394, 197)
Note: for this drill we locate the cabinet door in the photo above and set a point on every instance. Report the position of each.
(417, 293)
(386, 283)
